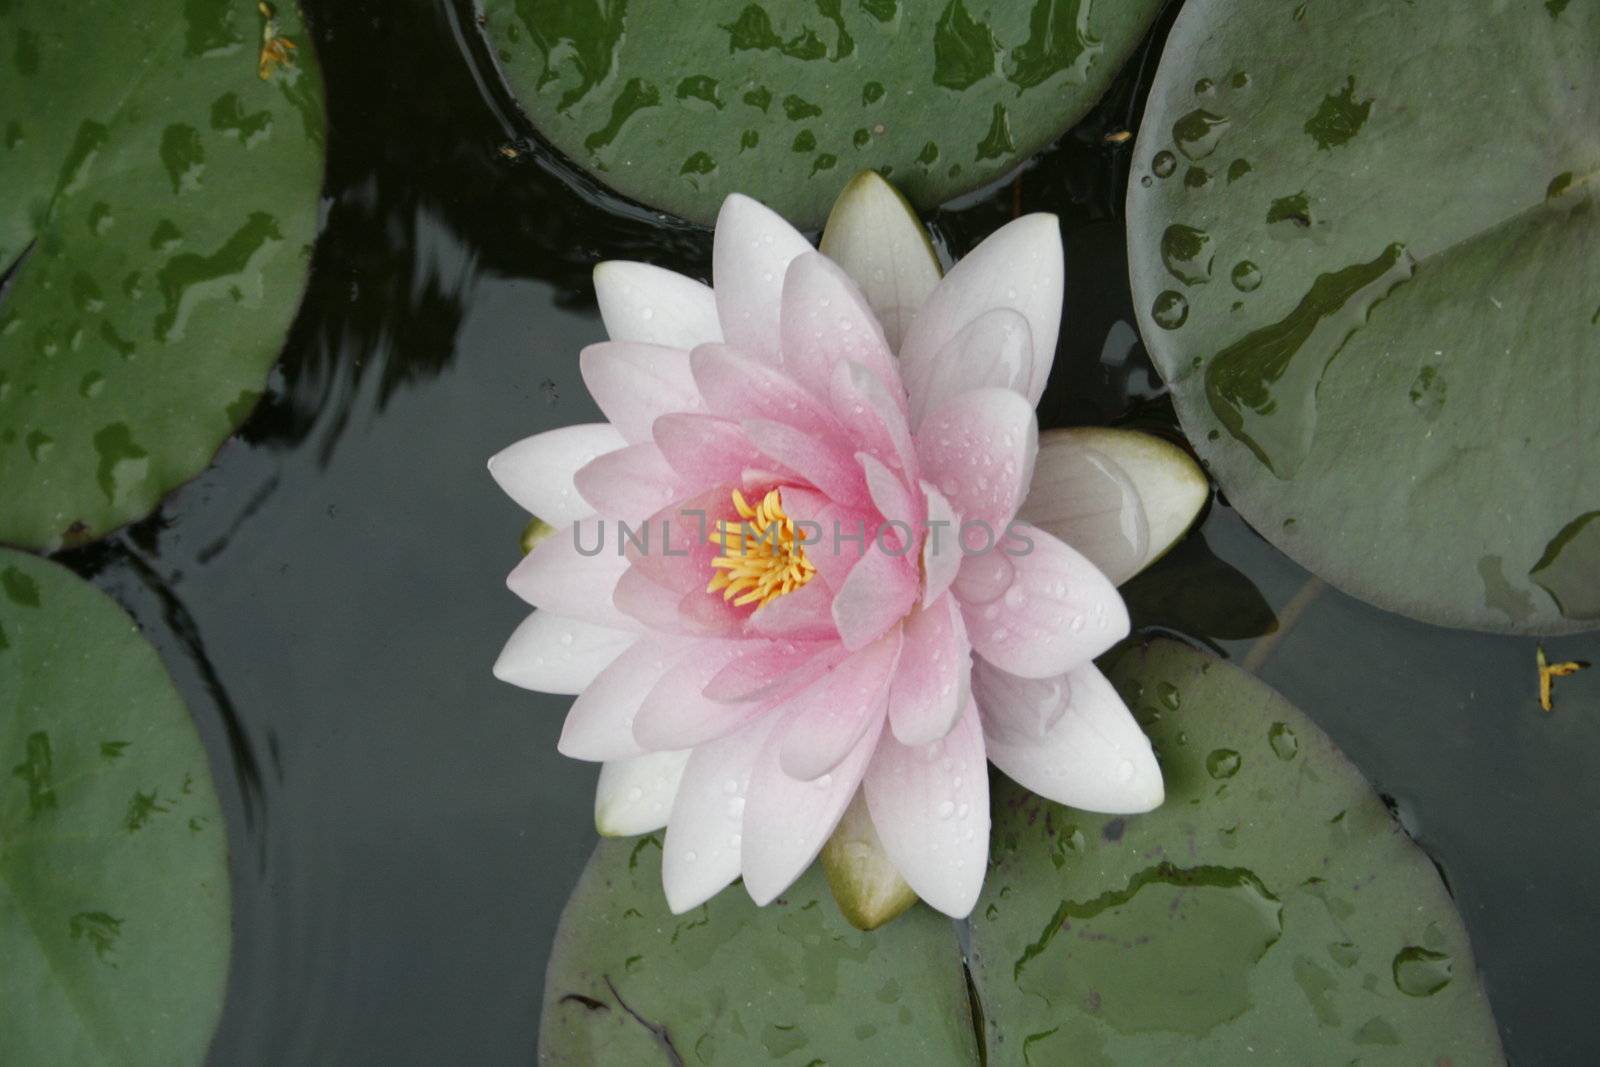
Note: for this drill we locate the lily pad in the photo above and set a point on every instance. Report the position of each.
(630, 983)
(1271, 911)
(114, 896)
(677, 108)
(160, 170)
(1378, 303)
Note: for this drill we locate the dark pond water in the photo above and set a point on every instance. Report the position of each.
(329, 594)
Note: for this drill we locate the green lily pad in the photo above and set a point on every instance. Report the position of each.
(630, 983)
(160, 199)
(114, 895)
(678, 107)
(1377, 302)
(1271, 911)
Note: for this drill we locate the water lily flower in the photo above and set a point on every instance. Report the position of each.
(818, 569)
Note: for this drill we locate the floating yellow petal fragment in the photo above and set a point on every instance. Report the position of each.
(275, 51)
(1549, 672)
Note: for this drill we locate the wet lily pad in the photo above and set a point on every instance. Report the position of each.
(160, 170)
(114, 896)
(631, 983)
(1378, 303)
(785, 101)
(1271, 911)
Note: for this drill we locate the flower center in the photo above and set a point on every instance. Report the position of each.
(762, 556)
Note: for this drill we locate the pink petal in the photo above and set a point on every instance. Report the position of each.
(1094, 757)
(930, 686)
(560, 578)
(873, 417)
(631, 483)
(1057, 613)
(677, 714)
(877, 594)
(825, 719)
(635, 384)
(738, 386)
(761, 668)
(786, 821)
(750, 255)
(994, 349)
(706, 449)
(704, 834)
(941, 549)
(554, 655)
(639, 302)
(825, 319)
(979, 450)
(1020, 267)
(657, 607)
(820, 460)
(803, 615)
(893, 500)
(680, 551)
(600, 724)
(930, 806)
(835, 536)
(537, 471)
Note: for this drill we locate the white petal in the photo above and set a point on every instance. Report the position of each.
(931, 807)
(537, 471)
(635, 795)
(635, 384)
(996, 348)
(931, 682)
(1019, 710)
(825, 720)
(749, 256)
(599, 725)
(874, 234)
(639, 302)
(1094, 757)
(704, 836)
(941, 550)
(787, 821)
(1019, 266)
(564, 576)
(1047, 611)
(556, 655)
(1120, 497)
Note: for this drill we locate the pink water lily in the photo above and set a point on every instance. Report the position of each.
(744, 675)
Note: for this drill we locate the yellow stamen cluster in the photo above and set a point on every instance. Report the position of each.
(762, 557)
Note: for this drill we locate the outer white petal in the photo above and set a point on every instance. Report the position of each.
(930, 805)
(556, 655)
(1120, 497)
(639, 302)
(599, 725)
(1019, 266)
(996, 348)
(558, 577)
(635, 384)
(876, 237)
(704, 836)
(537, 471)
(749, 256)
(787, 822)
(1094, 757)
(635, 795)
